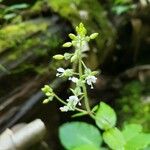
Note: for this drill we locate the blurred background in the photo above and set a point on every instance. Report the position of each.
(32, 31)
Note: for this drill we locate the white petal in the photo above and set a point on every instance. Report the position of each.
(79, 104)
(61, 70)
(64, 108)
(73, 79)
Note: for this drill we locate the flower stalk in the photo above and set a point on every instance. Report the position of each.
(81, 78)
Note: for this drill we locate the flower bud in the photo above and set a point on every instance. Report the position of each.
(67, 44)
(46, 101)
(93, 36)
(72, 36)
(58, 57)
(95, 73)
(74, 58)
(67, 56)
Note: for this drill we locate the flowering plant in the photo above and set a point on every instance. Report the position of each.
(83, 136)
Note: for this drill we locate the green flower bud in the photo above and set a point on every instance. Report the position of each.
(47, 89)
(58, 57)
(46, 101)
(68, 73)
(74, 58)
(67, 56)
(81, 25)
(95, 73)
(67, 44)
(93, 36)
(72, 36)
(87, 38)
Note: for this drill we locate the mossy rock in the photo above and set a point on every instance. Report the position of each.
(11, 35)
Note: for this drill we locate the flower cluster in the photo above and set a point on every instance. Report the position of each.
(81, 77)
(71, 105)
(48, 92)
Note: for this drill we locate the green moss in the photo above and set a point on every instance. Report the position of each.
(133, 108)
(13, 34)
(64, 7)
(37, 7)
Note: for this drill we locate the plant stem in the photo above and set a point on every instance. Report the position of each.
(83, 85)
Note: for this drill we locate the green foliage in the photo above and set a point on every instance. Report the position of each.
(121, 1)
(135, 138)
(83, 136)
(138, 142)
(131, 130)
(114, 138)
(3, 69)
(64, 7)
(122, 6)
(132, 106)
(86, 147)
(10, 12)
(120, 9)
(105, 117)
(77, 135)
(17, 33)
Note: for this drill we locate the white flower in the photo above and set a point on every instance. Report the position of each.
(90, 80)
(64, 108)
(60, 72)
(72, 102)
(74, 79)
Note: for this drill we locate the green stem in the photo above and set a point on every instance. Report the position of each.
(83, 85)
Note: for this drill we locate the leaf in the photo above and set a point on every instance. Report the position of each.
(9, 16)
(76, 134)
(86, 147)
(16, 7)
(114, 139)
(134, 137)
(105, 117)
(131, 130)
(138, 142)
(120, 9)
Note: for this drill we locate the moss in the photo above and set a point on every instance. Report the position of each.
(37, 7)
(13, 34)
(64, 7)
(133, 108)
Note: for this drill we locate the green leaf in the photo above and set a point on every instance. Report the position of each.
(76, 134)
(134, 137)
(16, 7)
(9, 16)
(105, 117)
(114, 139)
(138, 142)
(86, 147)
(131, 130)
